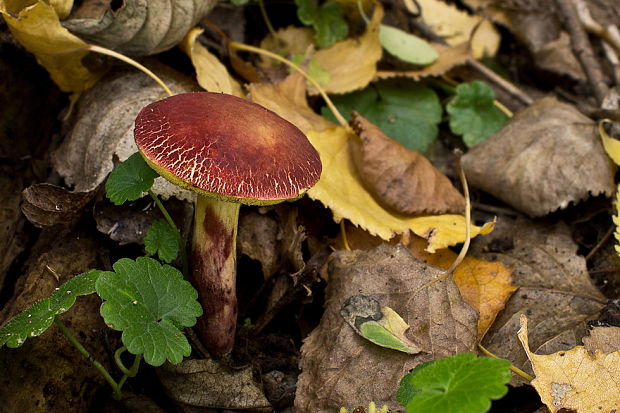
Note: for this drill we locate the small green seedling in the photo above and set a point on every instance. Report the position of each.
(327, 20)
(462, 383)
(473, 113)
(149, 302)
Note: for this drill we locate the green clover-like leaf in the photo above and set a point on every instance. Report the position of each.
(37, 318)
(161, 239)
(473, 113)
(150, 303)
(129, 180)
(327, 20)
(459, 384)
(405, 111)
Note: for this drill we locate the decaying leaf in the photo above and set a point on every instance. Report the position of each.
(137, 27)
(403, 179)
(547, 156)
(458, 26)
(211, 74)
(340, 368)
(338, 59)
(210, 383)
(573, 380)
(603, 338)
(12, 238)
(449, 57)
(36, 26)
(46, 205)
(340, 189)
(555, 290)
(288, 99)
(103, 129)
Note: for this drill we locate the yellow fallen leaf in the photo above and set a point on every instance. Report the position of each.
(210, 72)
(340, 189)
(612, 147)
(62, 7)
(456, 26)
(37, 28)
(484, 285)
(352, 63)
(573, 380)
(287, 41)
(288, 99)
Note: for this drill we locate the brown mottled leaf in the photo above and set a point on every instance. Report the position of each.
(340, 368)
(46, 205)
(401, 178)
(547, 156)
(555, 290)
(605, 339)
(137, 27)
(102, 131)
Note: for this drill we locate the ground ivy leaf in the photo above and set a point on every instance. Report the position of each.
(129, 180)
(327, 20)
(405, 111)
(150, 303)
(161, 239)
(37, 318)
(406, 46)
(473, 113)
(461, 383)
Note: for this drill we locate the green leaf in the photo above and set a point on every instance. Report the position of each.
(37, 318)
(150, 303)
(405, 111)
(129, 180)
(406, 46)
(457, 384)
(315, 69)
(327, 20)
(377, 324)
(473, 113)
(161, 239)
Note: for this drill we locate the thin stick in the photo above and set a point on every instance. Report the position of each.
(180, 240)
(330, 104)
(112, 53)
(501, 82)
(600, 244)
(513, 368)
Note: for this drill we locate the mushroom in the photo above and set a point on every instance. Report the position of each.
(230, 152)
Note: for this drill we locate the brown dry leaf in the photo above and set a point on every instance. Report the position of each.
(341, 190)
(35, 25)
(484, 285)
(46, 205)
(605, 339)
(211, 74)
(137, 27)
(573, 380)
(547, 156)
(211, 383)
(339, 368)
(12, 238)
(555, 289)
(102, 131)
(402, 179)
(458, 26)
(449, 57)
(288, 99)
(352, 63)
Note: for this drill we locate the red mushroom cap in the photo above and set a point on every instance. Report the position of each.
(217, 144)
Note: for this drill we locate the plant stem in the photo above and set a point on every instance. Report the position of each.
(180, 240)
(514, 369)
(85, 353)
(132, 371)
(261, 4)
(330, 104)
(112, 53)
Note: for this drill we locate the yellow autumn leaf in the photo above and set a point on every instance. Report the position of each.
(352, 63)
(210, 72)
(456, 26)
(340, 189)
(62, 7)
(37, 27)
(573, 380)
(287, 41)
(612, 147)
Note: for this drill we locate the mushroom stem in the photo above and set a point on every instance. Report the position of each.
(214, 271)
